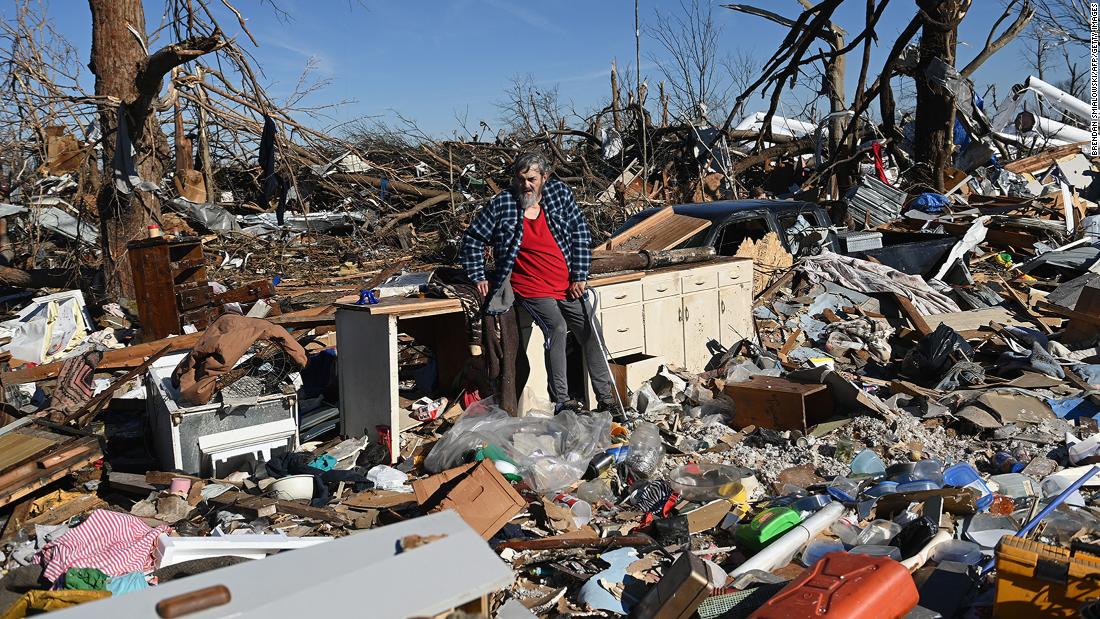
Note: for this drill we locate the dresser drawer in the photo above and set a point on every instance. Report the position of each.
(733, 273)
(659, 287)
(622, 329)
(699, 279)
(620, 294)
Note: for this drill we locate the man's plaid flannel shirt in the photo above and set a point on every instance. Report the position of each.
(499, 225)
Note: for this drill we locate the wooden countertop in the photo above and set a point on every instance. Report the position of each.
(411, 307)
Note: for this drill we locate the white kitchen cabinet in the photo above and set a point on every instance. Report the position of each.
(734, 313)
(664, 329)
(701, 324)
(669, 313)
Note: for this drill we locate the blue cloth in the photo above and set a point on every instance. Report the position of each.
(930, 202)
(499, 225)
(127, 583)
(1089, 373)
(324, 463)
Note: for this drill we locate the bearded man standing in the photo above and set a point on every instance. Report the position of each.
(542, 252)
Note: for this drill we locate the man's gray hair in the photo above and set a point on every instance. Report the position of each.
(531, 159)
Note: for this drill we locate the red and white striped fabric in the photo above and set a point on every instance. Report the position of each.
(109, 541)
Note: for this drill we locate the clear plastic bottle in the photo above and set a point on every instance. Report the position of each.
(596, 492)
(646, 450)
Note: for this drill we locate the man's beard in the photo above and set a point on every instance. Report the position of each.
(527, 200)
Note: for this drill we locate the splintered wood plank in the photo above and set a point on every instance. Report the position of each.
(644, 229)
(19, 445)
(1043, 160)
(36, 478)
(675, 230)
(915, 317)
(972, 320)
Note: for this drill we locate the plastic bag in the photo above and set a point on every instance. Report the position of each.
(550, 452)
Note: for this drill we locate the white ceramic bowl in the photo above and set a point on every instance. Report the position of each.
(293, 487)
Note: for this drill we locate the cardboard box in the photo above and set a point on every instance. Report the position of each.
(632, 371)
(779, 404)
(478, 492)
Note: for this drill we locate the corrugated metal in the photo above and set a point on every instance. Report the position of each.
(874, 202)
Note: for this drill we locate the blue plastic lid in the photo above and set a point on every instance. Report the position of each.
(882, 488)
(917, 486)
(960, 475)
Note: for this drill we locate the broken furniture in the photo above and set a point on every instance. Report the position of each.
(477, 491)
(376, 573)
(171, 286)
(669, 313)
(779, 403)
(366, 336)
(211, 438)
(31, 458)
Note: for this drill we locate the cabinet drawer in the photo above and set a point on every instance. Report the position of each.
(620, 294)
(622, 329)
(735, 273)
(699, 279)
(659, 287)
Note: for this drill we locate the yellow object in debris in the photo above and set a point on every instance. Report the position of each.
(51, 501)
(38, 600)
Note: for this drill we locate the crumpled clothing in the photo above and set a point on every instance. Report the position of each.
(45, 601)
(962, 373)
(86, 579)
(219, 349)
(1038, 359)
(652, 496)
(867, 277)
(74, 385)
(858, 334)
(113, 542)
(1089, 373)
(127, 583)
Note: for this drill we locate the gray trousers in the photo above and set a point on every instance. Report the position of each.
(558, 319)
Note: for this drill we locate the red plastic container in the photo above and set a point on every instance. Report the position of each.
(844, 586)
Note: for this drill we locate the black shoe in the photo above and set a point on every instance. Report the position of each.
(615, 409)
(569, 405)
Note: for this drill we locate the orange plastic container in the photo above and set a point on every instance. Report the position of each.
(844, 586)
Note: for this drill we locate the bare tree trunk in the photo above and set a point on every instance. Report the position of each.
(117, 57)
(124, 71)
(935, 108)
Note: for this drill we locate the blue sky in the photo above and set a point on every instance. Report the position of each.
(433, 60)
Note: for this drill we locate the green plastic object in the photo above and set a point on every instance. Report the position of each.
(767, 526)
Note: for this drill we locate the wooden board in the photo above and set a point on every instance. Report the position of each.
(663, 230)
(17, 446)
(37, 478)
(1043, 160)
(647, 226)
(407, 306)
(378, 499)
(675, 230)
(972, 320)
(915, 317)
(628, 276)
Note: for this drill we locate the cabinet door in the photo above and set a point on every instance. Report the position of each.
(664, 329)
(735, 313)
(701, 324)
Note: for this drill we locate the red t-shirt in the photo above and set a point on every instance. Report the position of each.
(540, 271)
